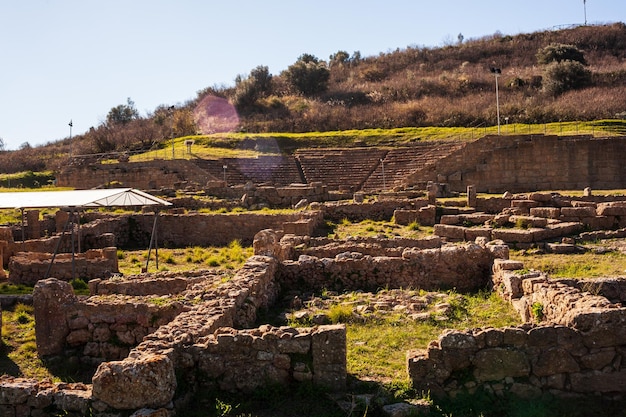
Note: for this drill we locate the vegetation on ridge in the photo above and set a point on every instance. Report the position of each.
(574, 74)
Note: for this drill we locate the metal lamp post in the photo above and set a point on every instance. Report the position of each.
(497, 72)
(171, 108)
(224, 167)
(70, 124)
(382, 164)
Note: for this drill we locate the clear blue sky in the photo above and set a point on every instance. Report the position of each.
(63, 60)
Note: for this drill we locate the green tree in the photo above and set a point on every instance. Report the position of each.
(563, 76)
(123, 113)
(256, 85)
(308, 75)
(559, 52)
(339, 58)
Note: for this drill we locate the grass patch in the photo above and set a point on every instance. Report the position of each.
(18, 353)
(371, 228)
(230, 257)
(585, 265)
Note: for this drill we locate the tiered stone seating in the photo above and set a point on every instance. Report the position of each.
(345, 169)
(400, 162)
(276, 170)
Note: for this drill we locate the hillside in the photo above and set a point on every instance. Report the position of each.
(411, 87)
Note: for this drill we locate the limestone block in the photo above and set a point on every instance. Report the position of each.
(494, 364)
(450, 219)
(524, 205)
(50, 300)
(513, 235)
(147, 381)
(594, 381)
(616, 208)
(541, 197)
(471, 233)
(578, 211)
(546, 212)
(507, 265)
(554, 361)
(450, 231)
(328, 345)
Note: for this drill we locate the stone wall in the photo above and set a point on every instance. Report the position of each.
(575, 346)
(464, 267)
(534, 218)
(29, 267)
(329, 248)
(373, 210)
(523, 163)
(193, 332)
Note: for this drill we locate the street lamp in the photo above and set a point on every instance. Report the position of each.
(382, 164)
(70, 124)
(171, 109)
(224, 167)
(497, 72)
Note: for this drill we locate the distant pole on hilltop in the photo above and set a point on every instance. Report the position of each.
(70, 124)
(585, 7)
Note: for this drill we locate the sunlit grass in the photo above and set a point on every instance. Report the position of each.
(231, 145)
(19, 348)
(231, 257)
(377, 349)
(580, 266)
(381, 229)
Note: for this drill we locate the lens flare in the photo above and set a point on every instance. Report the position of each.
(215, 115)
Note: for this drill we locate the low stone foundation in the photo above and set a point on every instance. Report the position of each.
(463, 267)
(29, 267)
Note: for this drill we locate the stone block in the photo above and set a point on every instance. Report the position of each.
(616, 208)
(450, 219)
(579, 212)
(471, 233)
(545, 212)
(328, 346)
(450, 231)
(145, 381)
(494, 364)
(513, 235)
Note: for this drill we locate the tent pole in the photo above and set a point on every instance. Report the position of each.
(23, 234)
(156, 237)
(56, 249)
(152, 240)
(73, 250)
(78, 231)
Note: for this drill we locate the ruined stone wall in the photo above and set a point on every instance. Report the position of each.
(531, 162)
(29, 267)
(201, 340)
(373, 210)
(329, 248)
(148, 175)
(575, 346)
(464, 267)
(537, 218)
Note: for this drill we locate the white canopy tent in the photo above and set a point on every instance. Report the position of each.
(113, 197)
(80, 199)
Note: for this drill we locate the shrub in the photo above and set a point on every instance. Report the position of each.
(558, 52)
(563, 76)
(308, 75)
(537, 310)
